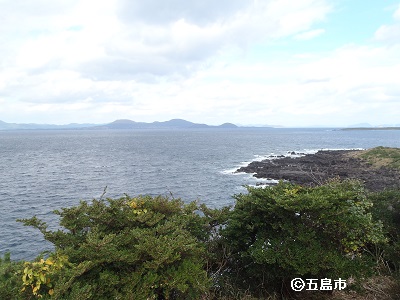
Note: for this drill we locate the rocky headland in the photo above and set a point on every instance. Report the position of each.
(313, 169)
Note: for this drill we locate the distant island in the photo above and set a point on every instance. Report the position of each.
(28, 126)
(127, 124)
(367, 126)
(171, 124)
(371, 128)
(118, 124)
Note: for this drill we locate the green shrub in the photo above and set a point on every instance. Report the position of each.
(159, 248)
(10, 284)
(130, 248)
(275, 234)
(387, 209)
(38, 277)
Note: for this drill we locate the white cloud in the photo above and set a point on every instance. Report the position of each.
(142, 38)
(165, 12)
(308, 35)
(176, 39)
(296, 16)
(78, 61)
(390, 33)
(396, 14)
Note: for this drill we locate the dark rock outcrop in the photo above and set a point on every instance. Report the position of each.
(313, 169)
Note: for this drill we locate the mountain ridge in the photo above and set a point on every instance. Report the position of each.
(171, 124)
(117, 124)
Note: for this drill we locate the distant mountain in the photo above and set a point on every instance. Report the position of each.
(32, 126)
(118, 124)
(228, 125)
(171, 124)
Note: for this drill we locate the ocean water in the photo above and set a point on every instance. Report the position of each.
(45, 170)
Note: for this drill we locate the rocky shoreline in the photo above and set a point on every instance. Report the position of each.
(313, 169)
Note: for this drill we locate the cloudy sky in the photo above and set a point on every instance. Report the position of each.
(280, 62)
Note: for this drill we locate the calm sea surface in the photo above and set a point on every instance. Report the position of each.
(45, 170)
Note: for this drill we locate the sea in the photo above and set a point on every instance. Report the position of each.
(44, 170)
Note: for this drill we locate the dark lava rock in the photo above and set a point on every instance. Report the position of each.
(314, 169)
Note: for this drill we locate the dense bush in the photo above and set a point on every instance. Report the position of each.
(130, 248)
(387, 209)
(160, 248)
(275, 234)
(10, 284)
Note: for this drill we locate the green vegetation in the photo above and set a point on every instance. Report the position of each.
(129, 248)
(381, 157)
(277, 234)
(10, 282)
(160, 248)
(387, 209)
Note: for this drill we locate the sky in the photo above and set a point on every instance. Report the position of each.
(302, 63)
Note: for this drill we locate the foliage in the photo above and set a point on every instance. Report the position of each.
(160, 248)
(387, 209)
(130, 248)
(9, 279)
(37, 276)
(275, 234)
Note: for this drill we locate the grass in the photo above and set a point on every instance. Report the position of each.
(375, 288)
(381, 157)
